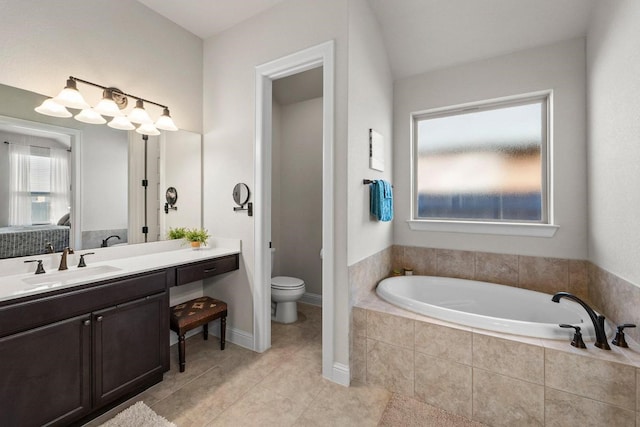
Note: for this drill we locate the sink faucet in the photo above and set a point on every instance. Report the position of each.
(63, 260)
(105, 242)
(596, 319)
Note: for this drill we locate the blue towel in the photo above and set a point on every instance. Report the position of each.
(381, 200)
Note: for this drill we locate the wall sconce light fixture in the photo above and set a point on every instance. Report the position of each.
(113, 103)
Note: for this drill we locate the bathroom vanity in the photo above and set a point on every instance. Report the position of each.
(74, 342)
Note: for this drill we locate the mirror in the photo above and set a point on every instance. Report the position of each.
(241, 194)
(105, 171)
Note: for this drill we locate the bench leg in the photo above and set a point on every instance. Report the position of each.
(223, 329)
(205, 331)
(181, 352)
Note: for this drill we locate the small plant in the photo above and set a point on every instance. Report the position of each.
(199, 235)
(177, 233)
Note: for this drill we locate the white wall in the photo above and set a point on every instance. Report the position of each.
(560, 67)
(300, 210)
(370, 106)
(104, 189)
(230, 59)
(613, 67)
(180, 159)
(115, 43)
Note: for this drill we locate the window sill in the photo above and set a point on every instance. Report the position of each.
(497, 228)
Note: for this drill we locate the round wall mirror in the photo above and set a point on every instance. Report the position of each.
(241, 194)
(171, 196)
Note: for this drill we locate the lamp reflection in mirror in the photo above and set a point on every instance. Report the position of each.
(111, 105)
(147, 129)
(121, 123)
(88, 115)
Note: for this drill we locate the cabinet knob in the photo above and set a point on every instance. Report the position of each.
(86, 322)
(99, 319)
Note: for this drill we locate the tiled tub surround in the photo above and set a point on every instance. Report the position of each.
(497, 379)
(616, 298)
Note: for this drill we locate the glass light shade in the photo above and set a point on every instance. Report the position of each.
(51, 108)
(70, 97)
(107, 106)
(165, 122)
(148, 129)
(139, 115)
(89, 116)
(121, 123)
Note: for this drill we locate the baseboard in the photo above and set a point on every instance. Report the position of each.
(173, 337)
(312, 299)
(236, 336)
(341, 374)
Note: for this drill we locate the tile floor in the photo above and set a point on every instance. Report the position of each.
(281, 387)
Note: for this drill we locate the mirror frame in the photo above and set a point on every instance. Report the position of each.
(237, 192)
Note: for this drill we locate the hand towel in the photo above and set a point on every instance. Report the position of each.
(381, 200)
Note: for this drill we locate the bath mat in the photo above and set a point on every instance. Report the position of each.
(138, 415)
(406, 412)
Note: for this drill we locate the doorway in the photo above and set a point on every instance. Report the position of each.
(314, 57)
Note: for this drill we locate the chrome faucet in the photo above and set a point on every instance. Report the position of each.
(596, 319)
(105, 242)
(63, 260)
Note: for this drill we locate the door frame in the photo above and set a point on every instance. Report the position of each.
(321, 55)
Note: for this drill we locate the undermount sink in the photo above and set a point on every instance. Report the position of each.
(57, 278)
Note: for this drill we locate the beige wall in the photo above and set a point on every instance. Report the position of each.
(299, 240)
(613, 66)
(119, 43)
(370, 107)
(559, 67)
(230, 59)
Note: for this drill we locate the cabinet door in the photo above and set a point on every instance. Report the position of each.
(131, 344)
(45, 376)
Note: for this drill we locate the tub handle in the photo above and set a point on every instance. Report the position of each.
(577, 337)
(619, 340)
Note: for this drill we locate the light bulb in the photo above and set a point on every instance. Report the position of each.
(139, 115)
(70, 97)
(165, 122)
(107, 106)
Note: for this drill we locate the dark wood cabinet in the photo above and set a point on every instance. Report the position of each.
(59, 367)
(128, 346)
(201, 270)
(70, 354)
(46, 374)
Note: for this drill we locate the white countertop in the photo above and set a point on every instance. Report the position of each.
(105, 266)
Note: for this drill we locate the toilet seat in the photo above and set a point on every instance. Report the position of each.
(286, 283)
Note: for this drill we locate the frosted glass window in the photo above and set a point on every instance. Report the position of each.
(486, 163)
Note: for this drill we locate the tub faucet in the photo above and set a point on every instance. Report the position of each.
(63, 260)
(596, 319)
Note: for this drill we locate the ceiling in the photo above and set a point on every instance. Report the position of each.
(420, 35)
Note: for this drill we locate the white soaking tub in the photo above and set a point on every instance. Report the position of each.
(486, 306)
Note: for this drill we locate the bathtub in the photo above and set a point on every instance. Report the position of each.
(486, 306)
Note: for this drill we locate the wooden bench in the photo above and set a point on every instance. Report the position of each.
(194, 313)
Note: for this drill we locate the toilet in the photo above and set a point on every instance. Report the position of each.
(285, 292)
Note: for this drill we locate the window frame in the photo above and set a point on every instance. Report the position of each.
(543, 228)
